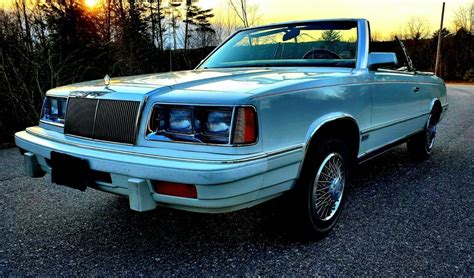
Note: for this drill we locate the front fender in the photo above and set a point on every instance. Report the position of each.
(321, 121)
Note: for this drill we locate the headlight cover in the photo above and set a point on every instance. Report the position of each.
(202, 124)
(54, 110)
(180, 120)
(218, 122)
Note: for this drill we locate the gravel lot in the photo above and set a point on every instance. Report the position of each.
(402, 217)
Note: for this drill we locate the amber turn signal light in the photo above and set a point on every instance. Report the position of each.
(246, 126)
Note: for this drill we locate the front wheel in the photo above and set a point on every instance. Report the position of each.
(320, 193)
(421, 145)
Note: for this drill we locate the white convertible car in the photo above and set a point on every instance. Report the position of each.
(288, 107)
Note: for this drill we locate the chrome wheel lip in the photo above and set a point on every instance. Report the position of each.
(328, 187)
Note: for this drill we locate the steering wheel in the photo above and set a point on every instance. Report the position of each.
(320, 54)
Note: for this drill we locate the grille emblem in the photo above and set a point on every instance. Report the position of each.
(87, 94)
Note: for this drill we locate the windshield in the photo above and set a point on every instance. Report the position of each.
(316, 44)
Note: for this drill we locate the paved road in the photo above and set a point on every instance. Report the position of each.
(402, 218)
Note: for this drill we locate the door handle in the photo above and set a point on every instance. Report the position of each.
(416, 89)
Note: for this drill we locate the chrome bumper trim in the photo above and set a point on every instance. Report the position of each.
(240, 160)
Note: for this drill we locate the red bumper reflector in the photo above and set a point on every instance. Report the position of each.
(175, 189)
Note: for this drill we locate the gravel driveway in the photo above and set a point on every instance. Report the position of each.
(402, 217)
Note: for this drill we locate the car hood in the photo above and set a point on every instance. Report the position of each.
(210, 84)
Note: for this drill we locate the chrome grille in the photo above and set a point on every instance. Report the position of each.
(102, 119)
(115, 121)
(80, 117)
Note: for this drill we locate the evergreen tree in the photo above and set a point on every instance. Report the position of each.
(331, 36)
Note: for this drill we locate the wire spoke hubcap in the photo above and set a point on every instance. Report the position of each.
(328, 186)
(430, 133)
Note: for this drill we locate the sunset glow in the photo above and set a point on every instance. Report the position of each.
(91, 3)
(385, 16)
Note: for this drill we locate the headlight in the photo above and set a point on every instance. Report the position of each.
(202, 124)
(218, 122)
(54, 110)
(180, 120)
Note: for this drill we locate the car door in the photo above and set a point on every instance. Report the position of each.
(396, 100)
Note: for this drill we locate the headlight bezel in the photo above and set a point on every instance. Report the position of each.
(202, 136)
(46, 115)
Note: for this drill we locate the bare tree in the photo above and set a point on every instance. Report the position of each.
(154, 11)
(189, 13)
(462, 17)
(399, 33)
(418, 28)
(174, 15)
(224, 25)
(247, 14)
(376, 36)
(159, 7)
(153, 23)
(21, 7)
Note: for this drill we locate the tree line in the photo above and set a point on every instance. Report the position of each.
(51, 43)
(48, 43)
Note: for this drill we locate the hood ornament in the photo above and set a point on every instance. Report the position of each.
(107, 81)
(87, 93)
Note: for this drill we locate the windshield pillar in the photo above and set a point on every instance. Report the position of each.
(363, 38)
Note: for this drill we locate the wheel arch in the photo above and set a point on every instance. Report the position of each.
(436, 106)
(342, 125)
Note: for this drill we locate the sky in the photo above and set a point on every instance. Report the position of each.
(385, 16)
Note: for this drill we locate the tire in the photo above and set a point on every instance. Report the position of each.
(421, 145)
(320, 192)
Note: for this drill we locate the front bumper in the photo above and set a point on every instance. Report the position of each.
(223, 182)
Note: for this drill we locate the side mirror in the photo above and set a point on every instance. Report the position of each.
(381, 59)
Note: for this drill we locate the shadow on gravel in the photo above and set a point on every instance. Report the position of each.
(100, 233)
(187, 232)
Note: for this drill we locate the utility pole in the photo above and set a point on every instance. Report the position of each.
(438, 50)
